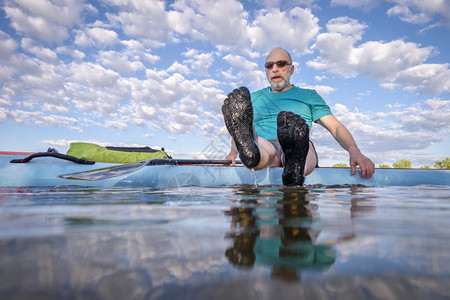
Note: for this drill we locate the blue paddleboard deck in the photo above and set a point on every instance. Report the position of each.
(46, 171)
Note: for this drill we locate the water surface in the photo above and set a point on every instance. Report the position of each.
(240, 242)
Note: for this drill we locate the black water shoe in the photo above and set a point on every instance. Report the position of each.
(293, 135)
(237, 111)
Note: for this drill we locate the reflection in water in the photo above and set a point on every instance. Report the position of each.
(276, 229)
(320, 243)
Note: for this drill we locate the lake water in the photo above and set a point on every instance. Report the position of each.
(240, 242)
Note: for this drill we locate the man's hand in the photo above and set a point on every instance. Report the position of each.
(366, 165)
(232, 157)
(233, 153)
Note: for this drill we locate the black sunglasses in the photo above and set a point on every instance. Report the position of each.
(279, 63)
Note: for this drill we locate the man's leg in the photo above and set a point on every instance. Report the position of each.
(270, 157)
(311, 159)
(293, 135)
(254, 152)
(237, 111)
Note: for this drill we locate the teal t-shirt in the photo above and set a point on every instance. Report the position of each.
(266, 106)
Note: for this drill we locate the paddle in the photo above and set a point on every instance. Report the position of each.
(120, 170)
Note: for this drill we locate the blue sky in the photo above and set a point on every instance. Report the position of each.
(155, 73)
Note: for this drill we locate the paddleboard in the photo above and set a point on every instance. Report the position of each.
(50, 171)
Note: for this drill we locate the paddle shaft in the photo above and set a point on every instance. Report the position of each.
(164, 161)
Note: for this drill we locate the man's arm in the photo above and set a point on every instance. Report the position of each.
(345, 139)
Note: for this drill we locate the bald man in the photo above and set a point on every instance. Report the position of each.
(270, 127)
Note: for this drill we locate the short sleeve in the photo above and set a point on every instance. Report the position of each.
(319, 107)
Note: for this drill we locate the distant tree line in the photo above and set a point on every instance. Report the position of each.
(406, 164)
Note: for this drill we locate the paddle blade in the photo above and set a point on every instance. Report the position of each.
(120, 170)
(106, 173)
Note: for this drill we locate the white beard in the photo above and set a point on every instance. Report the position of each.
(280, 85)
